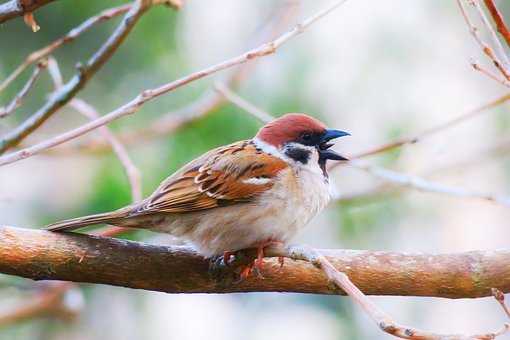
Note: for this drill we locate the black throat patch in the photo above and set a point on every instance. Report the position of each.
(298, 154)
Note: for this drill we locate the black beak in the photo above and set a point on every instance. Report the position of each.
(324, 146)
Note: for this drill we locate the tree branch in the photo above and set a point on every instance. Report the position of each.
(16, 101)
(39, 255)
(498, 19)
(435, 129)
(15, 8)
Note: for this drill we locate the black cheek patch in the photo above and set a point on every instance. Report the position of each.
(298, 154)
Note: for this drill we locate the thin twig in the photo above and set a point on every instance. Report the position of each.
(498, 19)
(18, 98)
(380, 318)
(147, 95)
(48, 302)
(85, 73)
(500, 298)
(132, 172)
(492, 33)
(243, 104)
(69, 37)
(433, 130)
(422, 184)
(486, 49)
(489, 74)
(15, 8)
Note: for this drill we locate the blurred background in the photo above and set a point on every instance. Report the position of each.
(378, 69)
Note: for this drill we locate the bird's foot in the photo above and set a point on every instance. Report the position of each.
(243, 262)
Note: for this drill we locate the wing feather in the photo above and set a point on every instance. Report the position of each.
(221, 177)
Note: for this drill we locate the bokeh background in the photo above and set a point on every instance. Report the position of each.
(378, 69)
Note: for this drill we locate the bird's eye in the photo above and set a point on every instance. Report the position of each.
(306, 136)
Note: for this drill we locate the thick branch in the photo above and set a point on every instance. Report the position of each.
(81, 258)
(15, 8)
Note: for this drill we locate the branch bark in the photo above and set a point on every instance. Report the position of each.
(16, 8)
(45, 255)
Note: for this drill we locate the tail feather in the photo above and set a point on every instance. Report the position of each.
(84, 221)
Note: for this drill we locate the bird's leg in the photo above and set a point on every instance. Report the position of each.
(259, 261)
(227, 255)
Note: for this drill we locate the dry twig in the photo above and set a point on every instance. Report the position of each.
(69, 37)
(433, 130)
(486, 49)
(18, 98)
(132, 172)
(243, 104)
(498, 19)
(492, 33)
(378, 316)
(147, 95)
(15, 8)
(48, 302)
(424, 185)
(500, 298)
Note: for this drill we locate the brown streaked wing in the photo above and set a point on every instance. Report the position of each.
(215, 179)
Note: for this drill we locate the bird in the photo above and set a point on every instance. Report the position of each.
(249, 194)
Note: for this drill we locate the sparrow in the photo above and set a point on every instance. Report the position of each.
(249, 194)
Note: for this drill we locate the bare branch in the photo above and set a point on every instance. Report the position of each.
(69, 37)
(434, 130)
(489, 74)
(380, 318)
(147, 95)
(18, 98)
(243, 104)
(48, 302)
(492, 33)
(500, 298)
(486, 49)
(68, 91)
(15, 8)
(132, 172)
(421, 184)
(498, 19)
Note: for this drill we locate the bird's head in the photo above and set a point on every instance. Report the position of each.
(301, 138)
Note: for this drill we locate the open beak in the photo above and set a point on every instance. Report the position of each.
(324, 146)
